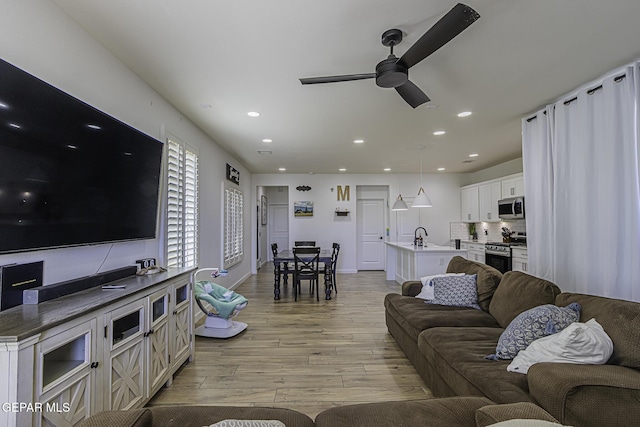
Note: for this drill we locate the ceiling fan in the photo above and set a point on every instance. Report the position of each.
(394, 72)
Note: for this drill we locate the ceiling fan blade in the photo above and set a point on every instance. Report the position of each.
(335, 79)
(412, 94)
(448, 27)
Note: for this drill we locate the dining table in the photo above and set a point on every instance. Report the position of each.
(286, 256)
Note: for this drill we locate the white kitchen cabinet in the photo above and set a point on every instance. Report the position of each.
(519, 259)
(475, 251)
(488, 196)
(513, 186)
(469, 204)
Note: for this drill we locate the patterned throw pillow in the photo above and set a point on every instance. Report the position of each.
(458, 291)
(532, 324)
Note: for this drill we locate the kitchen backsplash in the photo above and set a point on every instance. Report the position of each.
(487, 231)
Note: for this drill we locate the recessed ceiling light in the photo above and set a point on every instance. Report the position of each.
(473, 155)
(387, 169)
(465, 114)
(253, 114)
(282, 169)
(441, 169)
(342, 170)
(439, 132)
(3, 105)
(15, 125)
(73, 147)
(94, 127)
(358, 141)
(267, 140)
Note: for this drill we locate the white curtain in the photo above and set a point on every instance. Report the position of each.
(582, 189)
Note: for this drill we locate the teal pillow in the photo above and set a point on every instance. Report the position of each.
(532, 324)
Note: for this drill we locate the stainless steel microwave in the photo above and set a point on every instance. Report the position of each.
(511, 208)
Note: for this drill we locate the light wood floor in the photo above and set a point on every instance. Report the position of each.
(304, 355)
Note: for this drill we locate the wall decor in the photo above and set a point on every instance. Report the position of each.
(233, 174)
(303, 208)
(263, 210)
(343, 195)
(303, 188)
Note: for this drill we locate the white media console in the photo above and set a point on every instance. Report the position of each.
(98, 349)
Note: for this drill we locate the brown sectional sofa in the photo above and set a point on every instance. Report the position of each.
(447, 412)
(448, 346)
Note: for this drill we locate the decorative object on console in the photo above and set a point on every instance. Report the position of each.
(15, 279)
(146, 262)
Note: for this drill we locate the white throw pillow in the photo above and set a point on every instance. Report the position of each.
(580, 343)
(427, 291)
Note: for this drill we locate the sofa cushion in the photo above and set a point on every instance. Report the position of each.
(415, 315)
(449, 412)
(519, 292)
(491, 414)
(487, 280)
(620, 320)
(458, 355)
(532, 324)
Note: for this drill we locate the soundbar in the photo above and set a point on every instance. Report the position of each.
(57, 290)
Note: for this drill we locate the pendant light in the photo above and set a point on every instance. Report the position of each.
(421, 200)
(400, 205)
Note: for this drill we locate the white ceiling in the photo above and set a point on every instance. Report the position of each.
(247, 55)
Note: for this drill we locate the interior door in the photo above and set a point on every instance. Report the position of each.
(278, 227)
(370, 230)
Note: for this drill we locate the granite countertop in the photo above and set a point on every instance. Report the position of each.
(21, 322)
(409, 246)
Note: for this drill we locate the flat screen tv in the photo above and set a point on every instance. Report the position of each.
(70, 174)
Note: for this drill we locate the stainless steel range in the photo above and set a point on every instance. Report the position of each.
(498, 254)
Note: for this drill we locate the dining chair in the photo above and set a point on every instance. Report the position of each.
(306, 267)
(280, 269)
(334, 264)
(305, 243)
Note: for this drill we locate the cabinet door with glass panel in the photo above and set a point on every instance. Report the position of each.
(66, 375)
(125, 356)
(181, 324)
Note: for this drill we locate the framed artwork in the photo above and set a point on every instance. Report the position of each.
(302, 208)
(263, 210)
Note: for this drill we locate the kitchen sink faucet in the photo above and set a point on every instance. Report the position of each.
(417, 239)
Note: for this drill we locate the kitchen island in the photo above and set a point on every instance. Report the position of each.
(408, 262)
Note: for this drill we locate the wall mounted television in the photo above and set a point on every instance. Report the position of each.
(70, 174)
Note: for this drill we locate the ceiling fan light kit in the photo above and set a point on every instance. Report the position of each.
(393, 72)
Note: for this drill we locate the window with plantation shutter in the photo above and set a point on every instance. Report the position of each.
(233, 226)
(182, 206)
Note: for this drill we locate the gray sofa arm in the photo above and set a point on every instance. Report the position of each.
(491, 414)
(411, 288)
(607, 395)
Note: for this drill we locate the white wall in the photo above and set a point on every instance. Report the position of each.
(325, 227)
(38, 38)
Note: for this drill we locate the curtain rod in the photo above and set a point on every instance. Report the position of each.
(592, 91)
